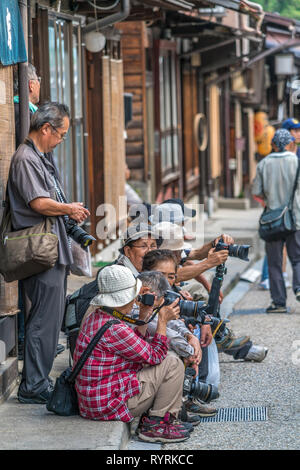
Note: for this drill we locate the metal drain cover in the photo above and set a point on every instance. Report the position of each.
(250, 413)
(253, 311)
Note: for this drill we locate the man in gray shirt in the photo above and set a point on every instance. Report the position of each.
(32, 195)
(274, 181)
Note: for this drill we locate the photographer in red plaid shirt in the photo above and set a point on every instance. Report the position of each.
(126, 375)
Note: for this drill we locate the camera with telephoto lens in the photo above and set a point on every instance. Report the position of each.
(201, 390)
(237, 251)
(188, 308)
(78, 234)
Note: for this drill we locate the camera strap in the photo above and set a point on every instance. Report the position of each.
(122, 316)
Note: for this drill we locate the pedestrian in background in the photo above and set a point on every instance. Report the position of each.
(274, 181)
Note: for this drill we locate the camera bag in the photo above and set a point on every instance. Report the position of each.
(277, 224)
(26, 252)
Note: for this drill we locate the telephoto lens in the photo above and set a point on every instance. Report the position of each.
(205, 392)
(78, 234)
(236, 251)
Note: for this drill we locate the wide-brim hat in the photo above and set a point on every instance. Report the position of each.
(172, 235)
(117, 286)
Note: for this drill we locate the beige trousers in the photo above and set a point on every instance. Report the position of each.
(161, 388)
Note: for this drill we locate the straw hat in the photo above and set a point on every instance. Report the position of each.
(173, 237)
(117, 286)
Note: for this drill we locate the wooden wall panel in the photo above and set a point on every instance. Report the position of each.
(133, 54)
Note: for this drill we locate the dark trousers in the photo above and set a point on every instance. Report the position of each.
(45, 302)
(274, 252)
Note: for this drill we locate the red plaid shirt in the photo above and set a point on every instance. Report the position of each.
(108, 378)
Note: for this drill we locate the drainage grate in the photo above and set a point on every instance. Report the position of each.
(250, 413)
(253, 311)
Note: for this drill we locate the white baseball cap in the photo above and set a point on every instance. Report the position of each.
(117, 286)
(167, 212)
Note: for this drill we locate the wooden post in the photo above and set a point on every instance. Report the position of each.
(8, 292)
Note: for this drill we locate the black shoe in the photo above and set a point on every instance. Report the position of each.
(185, 417)
(40, 399)
(273, 308)
(60, 348)
(298, 295)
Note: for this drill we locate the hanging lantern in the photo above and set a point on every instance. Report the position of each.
(95, 41)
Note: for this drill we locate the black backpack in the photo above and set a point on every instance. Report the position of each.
(75, 309)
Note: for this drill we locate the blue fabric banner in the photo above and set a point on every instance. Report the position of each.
(12, 44)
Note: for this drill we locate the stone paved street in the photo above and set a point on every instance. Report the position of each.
(274, 383)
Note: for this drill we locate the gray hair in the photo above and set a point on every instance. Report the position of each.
(32, 75)
(156, 281)
(49, 112)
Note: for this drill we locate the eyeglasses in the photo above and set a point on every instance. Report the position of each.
(146, 247)
(38, 79)
(61, 136)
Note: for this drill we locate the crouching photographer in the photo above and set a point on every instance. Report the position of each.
(126, 375)
(165, 262)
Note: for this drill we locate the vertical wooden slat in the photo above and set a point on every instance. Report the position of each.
(215, 132)
(8, 292)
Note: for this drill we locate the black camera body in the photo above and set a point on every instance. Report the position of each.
(146, 299)
(201, 390)
(78, 234)
(236, 251)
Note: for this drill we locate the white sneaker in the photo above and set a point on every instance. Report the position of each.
(265, 284)
(256, 353)
(286, 281)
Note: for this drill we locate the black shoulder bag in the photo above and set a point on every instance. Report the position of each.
(63, 400)
(277, 224)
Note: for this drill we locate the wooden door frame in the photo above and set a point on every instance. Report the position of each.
(159, 46)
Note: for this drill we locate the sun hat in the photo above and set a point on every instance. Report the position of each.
(173, 236)
(136, 231)
(186, 210)
(282, 138)
(117, 286)
(167, 212)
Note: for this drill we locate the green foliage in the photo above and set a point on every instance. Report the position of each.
(290, 8)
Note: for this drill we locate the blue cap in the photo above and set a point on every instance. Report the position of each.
(291, 123)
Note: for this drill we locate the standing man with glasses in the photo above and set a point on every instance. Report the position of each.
(34, 97)
(32, 196)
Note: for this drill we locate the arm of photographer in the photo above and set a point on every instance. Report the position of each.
(191, 271)
(50, 207)
(202, 253)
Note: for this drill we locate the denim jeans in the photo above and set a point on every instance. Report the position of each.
(265, 270)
